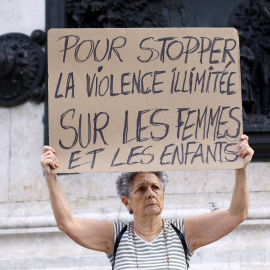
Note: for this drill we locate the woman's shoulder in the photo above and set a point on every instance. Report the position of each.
(118, 226)
(178, 223)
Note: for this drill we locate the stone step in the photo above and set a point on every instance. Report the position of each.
(248, 248)
(30, 240)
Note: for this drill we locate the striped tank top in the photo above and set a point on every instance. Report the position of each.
(153, 255)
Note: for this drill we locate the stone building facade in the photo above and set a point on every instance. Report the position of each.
(29, 238)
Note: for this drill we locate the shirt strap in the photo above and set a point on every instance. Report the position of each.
(184, 244)
(117, 241)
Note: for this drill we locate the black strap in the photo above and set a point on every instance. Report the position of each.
(180, 235)
(182, 239)
(118, 239)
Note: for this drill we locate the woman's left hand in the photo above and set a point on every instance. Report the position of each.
(244, 150)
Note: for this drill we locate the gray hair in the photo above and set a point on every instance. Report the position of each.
(124, 182)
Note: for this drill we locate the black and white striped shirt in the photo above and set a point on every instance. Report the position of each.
(153, 255)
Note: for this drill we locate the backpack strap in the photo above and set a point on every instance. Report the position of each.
(184, 244)
(180, 235)
(117, 241)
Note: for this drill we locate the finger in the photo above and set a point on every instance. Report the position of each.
(248, 157)
(53, 162)
(244, 137)
(244, 144)
(243, 149)
(48, 162)
(48, 148)
(51, 156)
(248, 151)
(245, 152)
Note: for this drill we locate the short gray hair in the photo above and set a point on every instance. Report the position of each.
(124, 182)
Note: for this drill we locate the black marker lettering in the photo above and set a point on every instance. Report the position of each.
(89, 88)
(105, 53)
(123, 84)
(200, 81)
(91, 49)
(229, 84)
(237, 130)
(152, 50)
(221, 82)
(212, 121)
(80, 131)
(156, 73)
(106, 88)
(114, 48)
(94, 153)
(203, 49)
(152, 122)
(114, 158)
(136, 82)
(213, 155)
(96, 129)
(213, 51)
(220, 123)
(70, 85)
(71, 160)
(148, 90)
(139, 126)
(68, 127)
(187, 151)
(66, 45)
(180, 51)
(179, 121)
(193, 49)
(58, 86)
(230, 152)
(164, 154)
(134, 154)
(198, 153)
(187, 127)
(125, 131)
(199, 122)
(162, 53)
(176, 154)
(226, 51)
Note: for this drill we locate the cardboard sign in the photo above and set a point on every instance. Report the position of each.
(144, 99)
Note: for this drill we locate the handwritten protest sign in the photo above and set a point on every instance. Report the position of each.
(144, 99)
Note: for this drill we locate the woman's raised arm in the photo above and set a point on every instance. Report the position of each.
(205, 229)
(89, 233)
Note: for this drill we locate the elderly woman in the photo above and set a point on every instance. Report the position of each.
(149, 242)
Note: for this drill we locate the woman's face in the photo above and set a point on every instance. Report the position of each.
(146, 196)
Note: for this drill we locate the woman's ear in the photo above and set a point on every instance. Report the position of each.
(125, 201)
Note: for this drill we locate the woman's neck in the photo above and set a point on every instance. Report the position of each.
(149, 229)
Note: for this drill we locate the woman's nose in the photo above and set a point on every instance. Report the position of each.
(150, 193)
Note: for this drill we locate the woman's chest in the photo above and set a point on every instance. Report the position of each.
(162, 253)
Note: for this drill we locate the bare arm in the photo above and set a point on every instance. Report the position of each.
(205, 229)
(89, 233)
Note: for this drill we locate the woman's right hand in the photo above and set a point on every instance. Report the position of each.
(48, 159)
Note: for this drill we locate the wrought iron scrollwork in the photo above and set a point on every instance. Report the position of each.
(22, 68)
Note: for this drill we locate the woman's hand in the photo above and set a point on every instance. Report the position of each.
(244, 150)
(48, 159)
